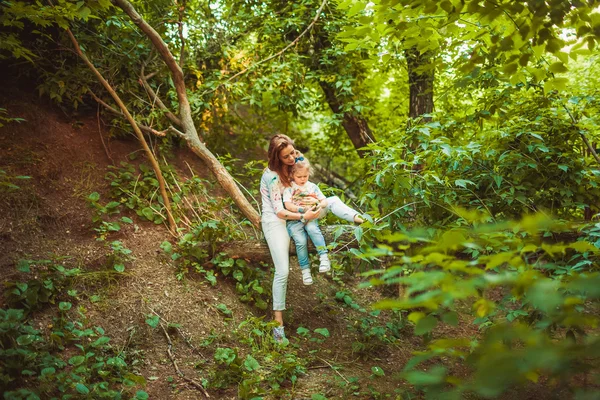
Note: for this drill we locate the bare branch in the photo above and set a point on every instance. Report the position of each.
(136, 129)
(113, 110)
(172, 117)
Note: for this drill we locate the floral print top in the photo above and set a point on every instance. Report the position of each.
(296, 193)
(270, 193)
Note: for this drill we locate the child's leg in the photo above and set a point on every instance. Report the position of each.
(312, 228)
(316, 236)
(341, 210)
(296, 231)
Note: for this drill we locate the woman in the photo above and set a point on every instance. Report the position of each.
(282, 156)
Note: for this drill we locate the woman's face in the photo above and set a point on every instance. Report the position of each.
(288, 155)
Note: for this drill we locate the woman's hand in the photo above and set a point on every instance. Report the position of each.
(310, 215)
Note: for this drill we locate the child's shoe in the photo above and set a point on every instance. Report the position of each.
(325, 264)
(307, 277)
(278, 334)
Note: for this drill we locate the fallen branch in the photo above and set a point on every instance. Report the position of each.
(174, 362)
(335, 370)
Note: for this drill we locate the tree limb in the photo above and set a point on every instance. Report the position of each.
(136, 129)
(189, 132)
(144, 128)
(172, 117)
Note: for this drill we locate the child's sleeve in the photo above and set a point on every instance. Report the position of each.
(317, 191)
(287, 194)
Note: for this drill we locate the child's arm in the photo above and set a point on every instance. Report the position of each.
(292, 207)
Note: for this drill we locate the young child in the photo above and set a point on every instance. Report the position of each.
(296, 199)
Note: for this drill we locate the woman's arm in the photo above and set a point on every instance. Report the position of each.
(296, 216)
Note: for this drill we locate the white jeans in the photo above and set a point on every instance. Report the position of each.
(278, 239)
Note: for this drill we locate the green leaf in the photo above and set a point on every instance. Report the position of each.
(152, 320)
(76, 360)
(318, 396)
(425, 325)
(24, 266)
(127, 220)
(94, 197)
(81, 388)
(119, 267)
(450, 318)
(166, 246)
(251, 364)
(64, 306)
(238, 275)
(101, 341)
(377, 371)
(322, 331)
(558, 67)
(141, 395)
(148, 213)
(302, 331)
(25, 340)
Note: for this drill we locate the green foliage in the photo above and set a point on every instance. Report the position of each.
(139, 191)
(547, 289)
(74, 361)
(263, 369)
(502, 171)
(47, 286)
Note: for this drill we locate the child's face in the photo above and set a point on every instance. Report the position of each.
(300, 176)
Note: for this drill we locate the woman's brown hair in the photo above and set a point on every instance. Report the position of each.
(278, 143)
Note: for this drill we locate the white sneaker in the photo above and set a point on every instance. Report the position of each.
(307, 277)
(325, 265)
(278, 334)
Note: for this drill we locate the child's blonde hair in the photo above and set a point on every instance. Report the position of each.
(301, 163)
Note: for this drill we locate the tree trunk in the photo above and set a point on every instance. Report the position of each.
(258, 250)
(421, 75)
(356, 127)
(354, 124)
(190, 134)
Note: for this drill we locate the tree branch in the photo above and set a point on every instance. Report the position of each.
(188, 129)
(144, 128)
(136, 129)
(172, 117)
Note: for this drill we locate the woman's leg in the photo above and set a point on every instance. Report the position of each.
(316, 236)
(278, 240)
(297, 232)
(341, 210)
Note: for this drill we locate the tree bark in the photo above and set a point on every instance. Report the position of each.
(421, 75)
(355, 126)
(190, 134)
(258, 250)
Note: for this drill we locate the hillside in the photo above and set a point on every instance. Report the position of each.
(48, 219)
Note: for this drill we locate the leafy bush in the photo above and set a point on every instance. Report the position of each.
(533, 296)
